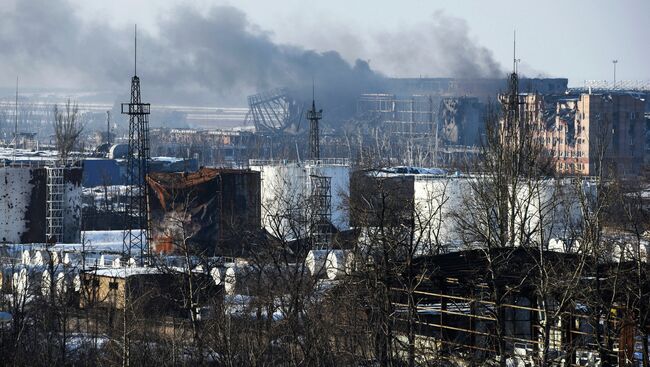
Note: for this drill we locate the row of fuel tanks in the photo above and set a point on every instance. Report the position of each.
(247, 278)
(34, 273)
(28, 273)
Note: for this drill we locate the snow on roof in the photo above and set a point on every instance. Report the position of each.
(407, 170)
(95, 241)
(167, 159)
(126, 272)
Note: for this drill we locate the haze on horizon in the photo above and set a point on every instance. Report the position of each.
(217, 52)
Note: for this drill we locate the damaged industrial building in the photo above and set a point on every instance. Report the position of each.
(388, 221)
(213, 210)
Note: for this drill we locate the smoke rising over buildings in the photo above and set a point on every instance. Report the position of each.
(441, 47)
(216, 57)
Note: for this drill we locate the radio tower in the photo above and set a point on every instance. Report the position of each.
(314, 116)
(136, 233)
(512, 118)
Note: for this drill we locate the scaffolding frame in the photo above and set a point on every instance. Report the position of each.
(54, 203)
(321, 195)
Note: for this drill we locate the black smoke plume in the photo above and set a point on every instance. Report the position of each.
(213, 58)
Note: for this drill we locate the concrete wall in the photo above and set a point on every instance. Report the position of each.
(23, 193)
(72, 179)
(437, 201)
(286, 191)
(545, 209)
(16, 188)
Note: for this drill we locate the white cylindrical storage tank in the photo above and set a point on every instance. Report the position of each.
(63, 282)
(217, 275)
(41, 258)
(27, 281)
(315, 262)
(56, 257)
(236, 279)
(339, 264)
(25, 257)
(46, 283)
(76, 282)
(72, 259)
(106, 260)
(15, 279)
(230, 280)
(556, 244)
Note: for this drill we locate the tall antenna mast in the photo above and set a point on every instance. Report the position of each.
(314, 116)
(515, 60)
(514, 52)
(135, 50)
(512, 106)
(137, 238)
(15, 122)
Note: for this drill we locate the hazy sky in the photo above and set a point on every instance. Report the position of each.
(576, 39)
(229, 48)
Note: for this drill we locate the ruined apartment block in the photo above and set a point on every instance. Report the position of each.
(575, 130)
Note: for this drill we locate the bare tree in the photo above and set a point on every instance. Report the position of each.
(67, 128)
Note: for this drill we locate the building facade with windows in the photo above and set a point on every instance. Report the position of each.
(586, 131)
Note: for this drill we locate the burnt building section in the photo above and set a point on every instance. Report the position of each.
(213, 210)
(104, 188)
(207, 147)
(275, 111)
(40, 204)
(412, 115)
(461, 121)
(483, 88)
(489, 304)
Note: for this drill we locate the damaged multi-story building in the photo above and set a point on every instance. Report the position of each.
(588, 131)
(443, 116)
(208, 147)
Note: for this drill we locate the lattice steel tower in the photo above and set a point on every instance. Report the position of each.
(321, 195)
(314, 143)
(136, 235)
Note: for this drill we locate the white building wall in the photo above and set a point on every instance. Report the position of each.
(15, 195)
(340, 190)
(16, 190)
(437, 201)
(286, 192)
(72, 212)
(551, 209)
